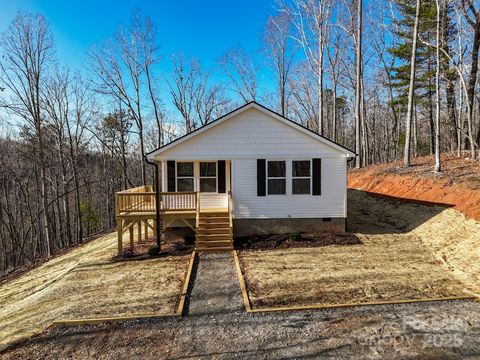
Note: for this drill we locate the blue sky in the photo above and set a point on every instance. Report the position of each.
(204, 29)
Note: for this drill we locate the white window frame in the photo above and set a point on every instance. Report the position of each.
(200, 177)
(276, 177)
(184, 177)
(302, 177)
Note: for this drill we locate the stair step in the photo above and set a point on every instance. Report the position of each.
(214, 220)
(217, 213)
(214, 230)
(216, 249)
(214, 236)
(207, 238)
(217, 222)
(213, 241)
(212, 244)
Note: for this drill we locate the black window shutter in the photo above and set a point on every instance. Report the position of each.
(317, 177)
(221, 176)
(171, 176)
(261, 188)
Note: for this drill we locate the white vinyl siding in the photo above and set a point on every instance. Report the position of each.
(330, 204)
(253, 135)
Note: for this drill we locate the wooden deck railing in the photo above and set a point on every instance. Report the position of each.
(142, 199)
(139, 199)
(178, 201)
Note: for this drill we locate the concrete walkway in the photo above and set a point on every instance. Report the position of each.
(215, 288)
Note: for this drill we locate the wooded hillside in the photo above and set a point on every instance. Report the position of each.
(391, 79)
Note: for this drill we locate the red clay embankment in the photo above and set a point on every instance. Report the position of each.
(458, 184)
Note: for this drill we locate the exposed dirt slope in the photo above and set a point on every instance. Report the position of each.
(453, 237)
(457, 185)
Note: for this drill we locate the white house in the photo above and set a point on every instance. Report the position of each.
(281, 176)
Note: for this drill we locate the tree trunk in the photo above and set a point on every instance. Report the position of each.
(415, 133)
(471, 86)
(158, 116)
(431, 120)
(438, 166)
(43, 189)
(334, 114)
(320, 84)
(408, 124)
(358, 85)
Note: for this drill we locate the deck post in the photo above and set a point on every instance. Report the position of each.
(120, 235)
(131, 236)
(139, 229)
(145, 223)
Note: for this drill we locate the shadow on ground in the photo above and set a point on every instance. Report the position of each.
(372, 213)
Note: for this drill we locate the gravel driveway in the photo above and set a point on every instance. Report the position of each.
(215, 287)
(441, 330)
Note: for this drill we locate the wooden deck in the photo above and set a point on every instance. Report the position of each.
(136, 208)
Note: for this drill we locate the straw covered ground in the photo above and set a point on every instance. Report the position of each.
(85, 283)
(399, 256)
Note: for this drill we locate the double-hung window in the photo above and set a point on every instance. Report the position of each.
(185, 177)
(208, 177)
(277, 179)
(301, 178)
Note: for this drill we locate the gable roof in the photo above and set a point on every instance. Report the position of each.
(349, 153)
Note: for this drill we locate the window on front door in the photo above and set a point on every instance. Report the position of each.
(185, 177)
(277, 179)
(208, 177)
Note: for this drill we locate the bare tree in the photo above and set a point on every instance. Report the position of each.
(438, 166)
(56, 100)
(408, 124)
(209, 101)
(197, 101)
(304, 91)
(280, 52)
(240, 69)
(181, 88)
(358, 84)
(334, 53)
(145, 31)
(472, 15)
(28, 50)
(310, 19)
(121, 68)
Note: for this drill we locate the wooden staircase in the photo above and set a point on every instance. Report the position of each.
(214, 232)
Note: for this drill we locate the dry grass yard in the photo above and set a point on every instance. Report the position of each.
(84, 283)
(400, 258)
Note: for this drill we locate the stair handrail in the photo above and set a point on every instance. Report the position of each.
(230, 210)
(197, 196)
